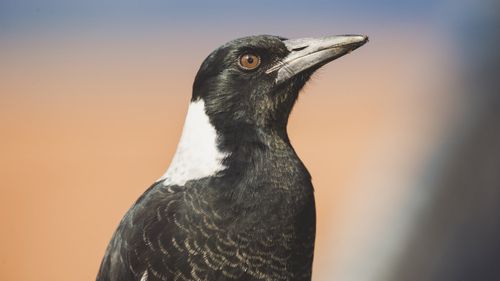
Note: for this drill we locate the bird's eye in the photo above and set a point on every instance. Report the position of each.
(249, 61)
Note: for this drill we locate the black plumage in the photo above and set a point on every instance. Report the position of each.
(254, 219)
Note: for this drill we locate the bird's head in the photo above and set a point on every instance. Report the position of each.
(254, 81)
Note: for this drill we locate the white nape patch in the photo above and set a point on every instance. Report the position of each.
(144, 276)
(197, 155)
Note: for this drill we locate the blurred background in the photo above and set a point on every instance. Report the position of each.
(402, 137)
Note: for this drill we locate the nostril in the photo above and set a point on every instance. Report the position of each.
(299, 48)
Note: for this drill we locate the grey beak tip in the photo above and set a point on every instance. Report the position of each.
(366, 39)
(309, 52)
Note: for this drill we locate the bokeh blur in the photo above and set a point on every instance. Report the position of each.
(402, 137)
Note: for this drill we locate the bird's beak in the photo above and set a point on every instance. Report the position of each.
(306, 53)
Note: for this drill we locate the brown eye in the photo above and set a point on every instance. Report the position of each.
(249, 61)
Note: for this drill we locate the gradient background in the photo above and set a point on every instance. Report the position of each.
(402, 137)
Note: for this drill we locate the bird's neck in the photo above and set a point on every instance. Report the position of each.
(263, 172)
(248, 167)
(206, 149)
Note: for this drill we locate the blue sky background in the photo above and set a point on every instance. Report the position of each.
(25, 16)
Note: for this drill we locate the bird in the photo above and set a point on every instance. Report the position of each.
(236, 202)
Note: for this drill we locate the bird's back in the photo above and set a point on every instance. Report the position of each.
(194, 233)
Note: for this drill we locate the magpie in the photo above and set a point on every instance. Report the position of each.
(236, 202)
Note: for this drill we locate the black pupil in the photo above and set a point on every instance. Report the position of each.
(249, 59)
